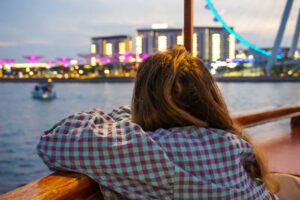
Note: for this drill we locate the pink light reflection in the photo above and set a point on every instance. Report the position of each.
(51, 63)
(9, 61)
(64, 61)
(105, 60)
(144, 56)
(33, 59)
(126, 55)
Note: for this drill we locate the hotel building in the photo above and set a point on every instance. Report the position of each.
(111, 46)
(209, 43)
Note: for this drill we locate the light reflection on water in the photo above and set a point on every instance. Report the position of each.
(23, 119)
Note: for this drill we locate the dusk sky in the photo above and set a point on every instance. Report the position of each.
(63, 28)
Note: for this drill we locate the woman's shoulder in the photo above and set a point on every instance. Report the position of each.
(194, 132)
(204, 138)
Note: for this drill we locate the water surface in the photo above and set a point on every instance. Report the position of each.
(23, 119)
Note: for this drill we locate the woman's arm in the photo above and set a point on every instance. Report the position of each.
(109, 148)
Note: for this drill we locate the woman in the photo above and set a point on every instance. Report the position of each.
(178, 141)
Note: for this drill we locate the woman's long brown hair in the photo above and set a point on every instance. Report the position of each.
(175, 89)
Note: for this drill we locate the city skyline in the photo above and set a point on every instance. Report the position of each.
(64, 28)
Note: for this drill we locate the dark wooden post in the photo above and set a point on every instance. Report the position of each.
(188, 24)
(295, 122)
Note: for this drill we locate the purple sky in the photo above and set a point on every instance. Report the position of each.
(63, 28)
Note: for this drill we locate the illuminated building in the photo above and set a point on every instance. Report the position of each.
(179, 40)
(204, 46)
(1, 66)
(261, 59)
(138, 47)
(231, 41)
(108, 46)
(195, 45)
(297, 54)
(93, 61)
(216, 47)
(162, 43)
(93, 48)
(209, 43)
(122, 47)
(139, 44)
(153, 40)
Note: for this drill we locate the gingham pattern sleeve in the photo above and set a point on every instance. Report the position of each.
(113, 151)
(122, 113)
(127, 162)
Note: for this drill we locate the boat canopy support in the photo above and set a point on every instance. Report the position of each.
(188, 24)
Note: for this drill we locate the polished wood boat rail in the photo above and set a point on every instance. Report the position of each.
(68, 185)
(262, 117)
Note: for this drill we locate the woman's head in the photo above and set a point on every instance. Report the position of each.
(174, 89)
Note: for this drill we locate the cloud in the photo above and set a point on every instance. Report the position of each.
(25, 42)
(7, 44)
(68, 25)
(37, 42)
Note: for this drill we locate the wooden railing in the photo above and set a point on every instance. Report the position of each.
(57, 186)
(258, 118)
(66, 185)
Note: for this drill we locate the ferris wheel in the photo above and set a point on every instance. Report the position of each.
(272, 55)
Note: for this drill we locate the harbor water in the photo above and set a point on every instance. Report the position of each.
(23, 119)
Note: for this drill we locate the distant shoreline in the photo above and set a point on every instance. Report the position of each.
(131, 80)
(258, 79)
(73, 80)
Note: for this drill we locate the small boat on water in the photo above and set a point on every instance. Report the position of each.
(43, 91)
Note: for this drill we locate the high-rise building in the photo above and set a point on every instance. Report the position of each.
(110, 46)
(209, 43)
